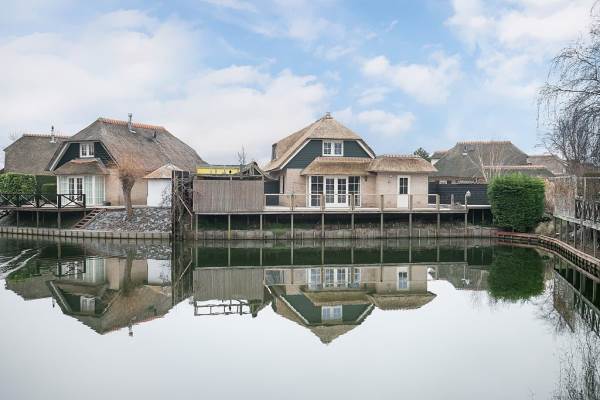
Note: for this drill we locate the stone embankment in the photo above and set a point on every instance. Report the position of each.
(143, 220)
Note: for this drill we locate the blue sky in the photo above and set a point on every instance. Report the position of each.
(225, 73)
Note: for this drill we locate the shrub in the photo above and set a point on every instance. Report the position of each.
(517, 201)
(48, 189)
(516, 274)
(17, 183)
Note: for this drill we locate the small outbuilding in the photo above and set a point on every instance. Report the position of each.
(159, 186)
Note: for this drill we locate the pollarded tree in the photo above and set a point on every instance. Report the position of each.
(129, 172)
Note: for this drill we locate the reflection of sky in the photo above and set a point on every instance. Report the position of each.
(459, 346)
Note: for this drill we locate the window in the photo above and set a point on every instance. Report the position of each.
(333, 148)
(314, 278)
(86, 150)
(403, 278)
(316, 189)
(331, 313)
(402, 185)
(354, 188)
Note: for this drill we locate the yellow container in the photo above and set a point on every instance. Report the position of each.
(218, 170)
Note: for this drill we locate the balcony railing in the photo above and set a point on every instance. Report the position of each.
(41, 200)
(355, 201)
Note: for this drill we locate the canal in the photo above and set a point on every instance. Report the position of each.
(419, 319)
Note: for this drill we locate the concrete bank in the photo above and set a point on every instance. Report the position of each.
(358, 233)
(589, 264)
(81, 233)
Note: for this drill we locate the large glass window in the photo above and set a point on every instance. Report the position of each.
(403, 278)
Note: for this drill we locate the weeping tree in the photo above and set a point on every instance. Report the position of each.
(569, 102)
(129, 172)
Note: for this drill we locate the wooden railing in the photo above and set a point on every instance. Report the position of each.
(41, 200)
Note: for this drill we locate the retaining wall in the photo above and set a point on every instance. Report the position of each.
(81, 233)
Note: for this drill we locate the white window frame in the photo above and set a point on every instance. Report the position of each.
(332, 144)
(332, 313)
(402, 284)
(89, 152)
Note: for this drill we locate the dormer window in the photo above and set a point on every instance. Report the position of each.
(333, 148)
(86, 150)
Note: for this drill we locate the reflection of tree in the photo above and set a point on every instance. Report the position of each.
(580, 376)
(127, 280)
(516, 274)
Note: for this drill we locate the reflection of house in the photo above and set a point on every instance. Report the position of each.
(220, 291)
(461, 276)
(333, 300)
(111, 293)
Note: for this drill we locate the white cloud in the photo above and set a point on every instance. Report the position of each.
(128, 61)
(427, 83)
(378, 122)
(237, 5)
(514, 39)
(373, 95)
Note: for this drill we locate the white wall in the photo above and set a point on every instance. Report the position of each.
(157, 188)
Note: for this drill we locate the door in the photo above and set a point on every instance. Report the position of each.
(336, 192)
(403, 191)
(76, 188)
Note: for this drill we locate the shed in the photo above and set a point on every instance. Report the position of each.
(159, 186)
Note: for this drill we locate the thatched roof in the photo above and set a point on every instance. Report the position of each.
(400, 163)
(465, 159)
(530, 170)
(151, 146)
(326, 127)
(82, 166)
(164, 172)
(408, 301)
(553, 163)
(356, 166)
(30, 154)
(438, 154)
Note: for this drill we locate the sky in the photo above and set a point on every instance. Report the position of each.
(222, 74)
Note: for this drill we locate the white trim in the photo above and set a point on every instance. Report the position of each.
(364, 147)
(407, 194)
(61, 153)
(294, 154)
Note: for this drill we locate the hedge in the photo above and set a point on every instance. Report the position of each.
(17, 183)
(517, 201)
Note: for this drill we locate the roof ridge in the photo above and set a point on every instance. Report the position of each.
(398, 156)
(44, 135)
(484, 142)
(133, 124)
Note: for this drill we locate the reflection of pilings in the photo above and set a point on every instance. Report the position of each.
(576, 300)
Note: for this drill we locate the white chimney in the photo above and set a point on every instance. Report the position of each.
(129, 124)
(52, 136)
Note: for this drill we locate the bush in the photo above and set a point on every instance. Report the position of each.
(48, 189)
(17, 183)
(517, 201)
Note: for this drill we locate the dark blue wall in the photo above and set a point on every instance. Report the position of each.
(314, 149)
(478, 192)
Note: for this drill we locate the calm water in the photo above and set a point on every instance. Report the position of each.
(370, 320)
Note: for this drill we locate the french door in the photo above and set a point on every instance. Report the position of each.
(403, 191)
(76, 188)
(336, 191)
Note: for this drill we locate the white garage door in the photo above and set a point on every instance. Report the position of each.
(159, 193)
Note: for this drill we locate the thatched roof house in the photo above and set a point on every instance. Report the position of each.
(31, 154)
(469, 161)
(89, 161)
(326, 158)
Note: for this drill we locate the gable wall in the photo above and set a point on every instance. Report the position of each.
(314, 149)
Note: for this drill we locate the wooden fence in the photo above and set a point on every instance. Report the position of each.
(227, 196)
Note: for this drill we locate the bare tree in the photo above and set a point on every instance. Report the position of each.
(129, 171)
(242, 156)
(569, 102)
(14, 136)
(488, 157)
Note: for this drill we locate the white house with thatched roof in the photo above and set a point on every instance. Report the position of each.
(328, 162)
(89, 161)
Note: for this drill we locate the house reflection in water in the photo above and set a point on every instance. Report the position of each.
(111, 293)
(332, 300)
(328, 300)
